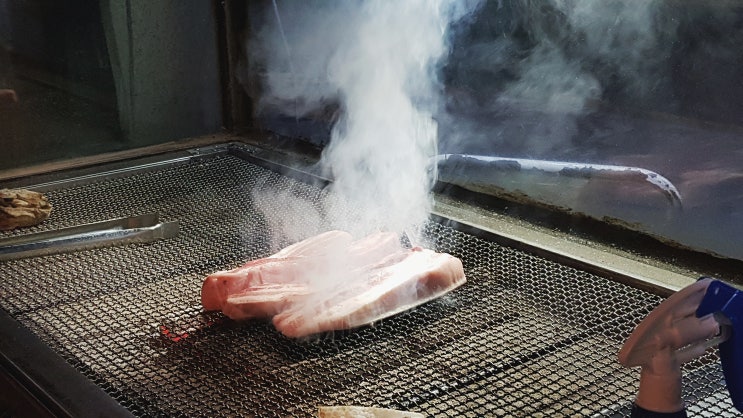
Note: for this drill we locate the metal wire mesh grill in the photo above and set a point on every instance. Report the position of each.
(524, 336)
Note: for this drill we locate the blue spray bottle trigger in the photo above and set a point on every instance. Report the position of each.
(726, 303)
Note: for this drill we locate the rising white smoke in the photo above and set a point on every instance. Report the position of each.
(626, 37)
(378, 59)
(380, 147)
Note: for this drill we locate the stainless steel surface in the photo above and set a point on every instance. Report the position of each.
(525, 336)
(484, 172)
(134, 229)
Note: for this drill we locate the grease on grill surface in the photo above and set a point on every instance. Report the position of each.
(523, 337)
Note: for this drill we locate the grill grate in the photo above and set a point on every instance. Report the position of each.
(524, 336)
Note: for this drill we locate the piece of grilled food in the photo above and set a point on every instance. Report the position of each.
(19, 208)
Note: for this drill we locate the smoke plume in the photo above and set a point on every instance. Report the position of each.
(538, 68)
(378, 60)
(519, 76)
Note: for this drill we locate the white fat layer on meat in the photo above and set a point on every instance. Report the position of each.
(402, 278)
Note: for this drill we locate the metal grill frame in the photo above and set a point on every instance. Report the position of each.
(83, 396)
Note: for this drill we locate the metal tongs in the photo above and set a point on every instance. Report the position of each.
(135, 229)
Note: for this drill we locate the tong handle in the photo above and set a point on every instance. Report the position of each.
(138, 229)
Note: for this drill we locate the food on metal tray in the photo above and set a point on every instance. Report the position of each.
(330, 282)
(363, 412)
(19, 208)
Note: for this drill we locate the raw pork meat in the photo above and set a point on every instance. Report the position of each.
(330, 282)
(400, 282)
(288, 266)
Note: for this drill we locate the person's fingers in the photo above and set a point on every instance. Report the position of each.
(690, 352)
(692, 329)
(692, 297)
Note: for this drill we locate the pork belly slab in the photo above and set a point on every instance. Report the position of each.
(288, 266)
(330, 282)
(399, 283)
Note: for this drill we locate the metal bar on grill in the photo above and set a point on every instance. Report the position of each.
(530, 333)
(135, 229)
